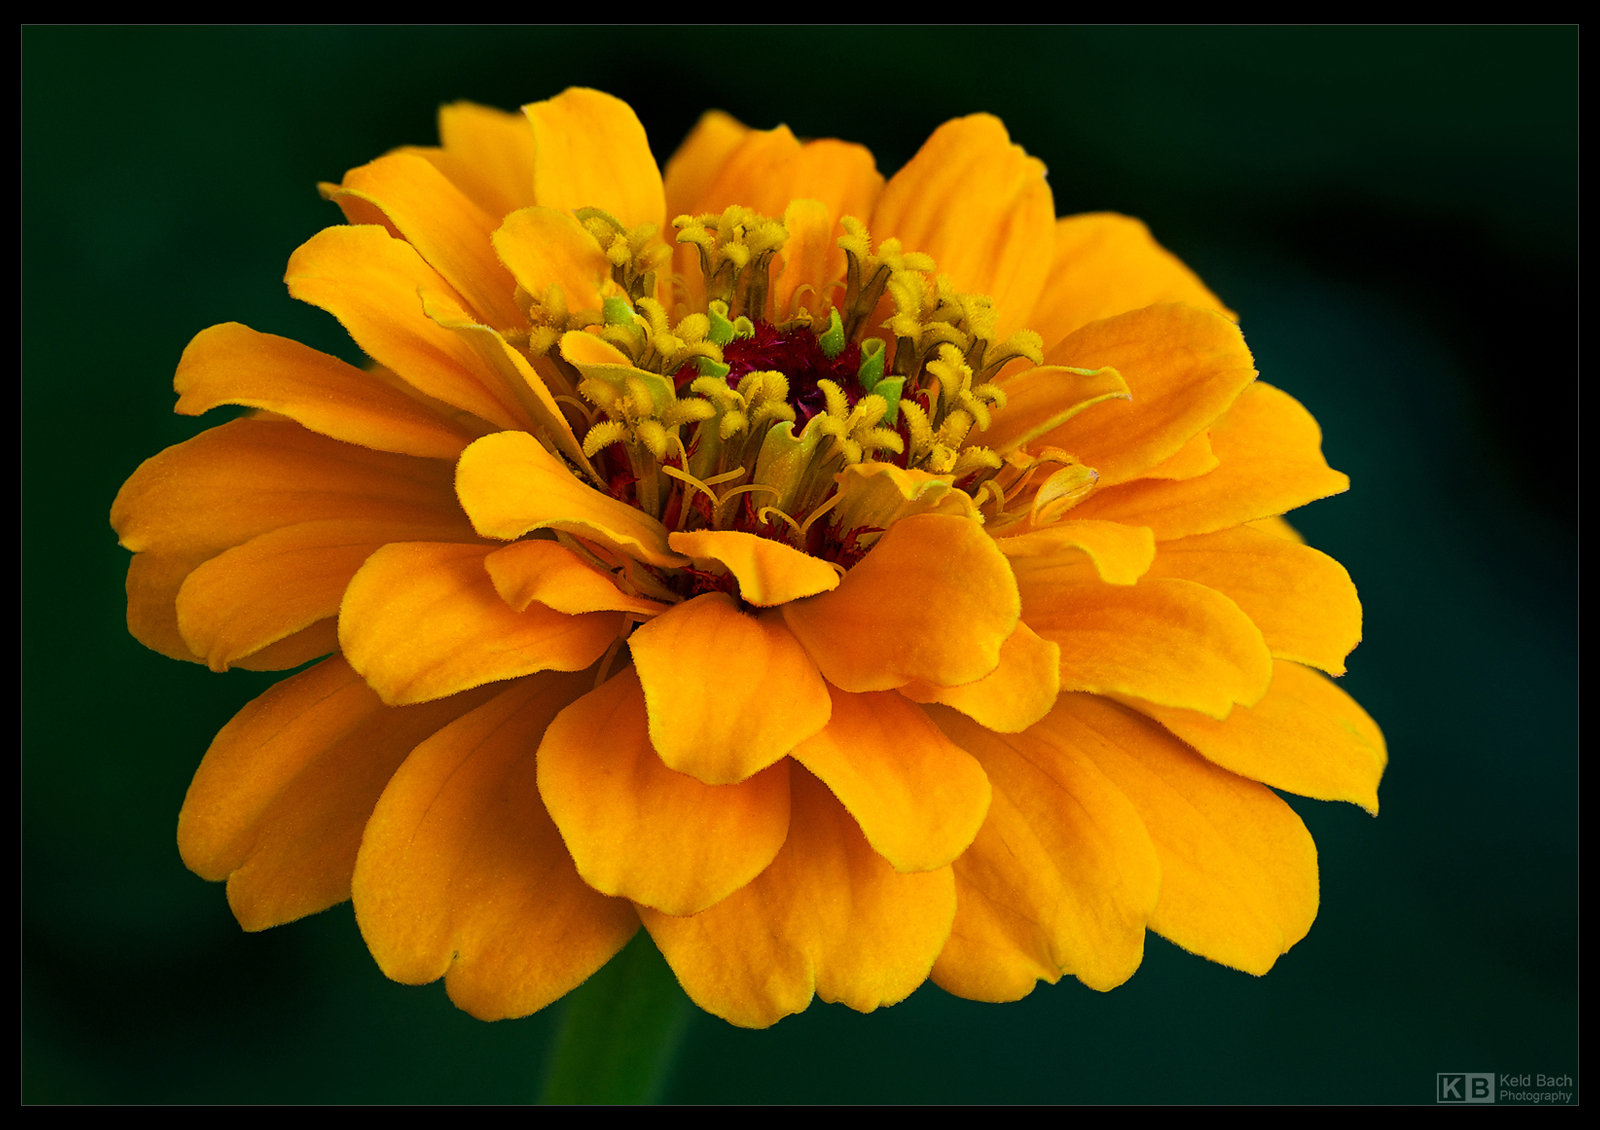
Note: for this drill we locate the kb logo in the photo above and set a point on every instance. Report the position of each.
(1465, 1087)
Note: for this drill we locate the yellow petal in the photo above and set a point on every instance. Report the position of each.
(728, 693)
(591, 152)
(1121, 554)
(934, 600)
(1270, 452)
(640, 830)
(422, 620)
(463, 875)
(1184, 367)
(829, 916)
(1238, 868)
(446, 227)
(1172, 642)
(1014, 695)
(1302, 600)
(544, 247)
(1041, 399)
(918, 798)
(1105, 265)
(233, 364)
(554, 576)
(699, 159)
(769, 573)
(489, 154)
(284, 581)
(278, 805)
(1062, 877)
(510, 485)
(1306, 736)
(981, 207)
(369, 281)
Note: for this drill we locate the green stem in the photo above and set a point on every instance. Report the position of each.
(620, 1031)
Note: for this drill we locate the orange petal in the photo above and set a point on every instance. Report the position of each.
(728, 693)
(981, 207)
(766, 169)
(510, 485)
(422, 620)
(918, 798)
(1190, 461)
(233, 364)
(638, 829)
(1041, 399)
(1121, 554)
(1238, 868)
(699, 159)
(544, 247)
(1014, 695)
(229, 484)
(1306, 736)
(489, 154)
(1105, 265)
(934, 600)
(369, 281)
(278, 804)
(1184, 367)
(829, 916)
(556, 577)
(463, 875)
(1178, 643)
(1302, 600)
(769, 573)
(284, 581)
(1271, 462)
(591, 152)
(446, 227)
(812, 259)
(1062, 876)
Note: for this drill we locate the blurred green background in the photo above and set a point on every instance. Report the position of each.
(1392, 211)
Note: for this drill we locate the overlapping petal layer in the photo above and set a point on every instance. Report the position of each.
(842, 652)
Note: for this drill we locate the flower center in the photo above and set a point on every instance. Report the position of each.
(789, 424)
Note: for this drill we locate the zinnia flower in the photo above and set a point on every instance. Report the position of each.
(851, 581)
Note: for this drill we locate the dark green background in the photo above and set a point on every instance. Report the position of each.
(1393, 212)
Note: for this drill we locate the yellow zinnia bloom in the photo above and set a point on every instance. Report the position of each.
(852, 581)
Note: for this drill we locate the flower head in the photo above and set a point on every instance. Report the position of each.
(851, 581)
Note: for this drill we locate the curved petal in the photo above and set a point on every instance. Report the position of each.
(1063, 876)
(489, 154)
(544, 247)
(528, 571)
(447, 228)
(1270, 452)
(769, 572)
(278, 805)
(1238, 868)
(233, 364)
(1014, 695)
(934, 600)
(918, 798)
(727, 693)
(1168, 641)
(981, 207)
(463, 875)
(283, 581)
(699, 159)
(1303, 601)
(1184, 367)
(1305, 736)
(510, 486)
(422, 620)
(370, 282)
(1121, 554)
(640, 830)
(766, 169)
(829, 916)
(1106, 264)
(591, 152)
(1041, 399)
